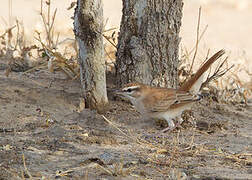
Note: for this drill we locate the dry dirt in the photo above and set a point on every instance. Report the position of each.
(44, 135)
(40, 126)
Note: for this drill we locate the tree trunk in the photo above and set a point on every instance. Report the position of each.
(88, 27)
(148, 42)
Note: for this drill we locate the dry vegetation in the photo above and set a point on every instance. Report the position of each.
(45, 132)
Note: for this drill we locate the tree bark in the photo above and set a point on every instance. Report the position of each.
(88, 28)
(148, 42)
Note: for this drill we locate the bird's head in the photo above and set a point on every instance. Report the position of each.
(131, 91)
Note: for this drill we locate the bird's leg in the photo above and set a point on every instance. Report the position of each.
(170, 127)
(180, 121)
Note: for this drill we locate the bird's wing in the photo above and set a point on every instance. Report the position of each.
(173, 98)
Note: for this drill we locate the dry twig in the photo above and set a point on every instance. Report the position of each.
(197, 41)
(219, 72)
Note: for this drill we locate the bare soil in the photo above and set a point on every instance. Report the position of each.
(42, 134)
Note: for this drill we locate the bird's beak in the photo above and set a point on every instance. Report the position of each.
(118, 92)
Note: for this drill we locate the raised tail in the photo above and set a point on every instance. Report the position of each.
(195, 82)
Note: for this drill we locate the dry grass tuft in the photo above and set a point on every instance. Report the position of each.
(49, 53)
(227, 90)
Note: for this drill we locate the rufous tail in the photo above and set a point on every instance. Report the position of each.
(193, 84)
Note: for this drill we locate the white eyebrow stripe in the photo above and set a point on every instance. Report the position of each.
(131, 87)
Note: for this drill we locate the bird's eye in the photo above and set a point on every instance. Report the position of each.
(129, 90)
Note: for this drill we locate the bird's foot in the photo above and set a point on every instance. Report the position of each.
(171, 128)
(168, 129)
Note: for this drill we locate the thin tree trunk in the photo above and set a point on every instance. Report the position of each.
(88, 27)
(148, 42)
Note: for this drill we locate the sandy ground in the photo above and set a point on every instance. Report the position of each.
(44, 135)
(41, 126)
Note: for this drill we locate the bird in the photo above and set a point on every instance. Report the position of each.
(167, 103)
